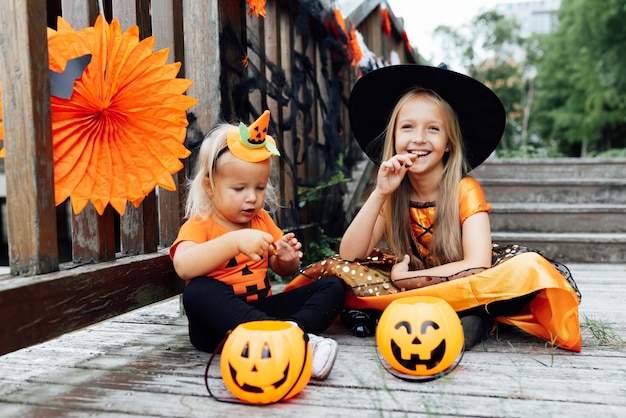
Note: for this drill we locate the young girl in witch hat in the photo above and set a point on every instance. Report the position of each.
(426, 128)
(229, 240)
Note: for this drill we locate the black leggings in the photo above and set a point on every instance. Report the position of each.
(213, 309)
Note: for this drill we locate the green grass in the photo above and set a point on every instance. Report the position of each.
(598, 333)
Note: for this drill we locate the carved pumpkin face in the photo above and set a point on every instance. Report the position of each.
(264, 361)
(420, 335)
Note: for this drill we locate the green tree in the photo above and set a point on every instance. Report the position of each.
(492, 50)
(581, 88)
(489, 37)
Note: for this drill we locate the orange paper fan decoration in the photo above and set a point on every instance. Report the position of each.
(67, 45)
(122, 132)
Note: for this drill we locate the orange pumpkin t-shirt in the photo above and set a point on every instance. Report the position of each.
(247, 277)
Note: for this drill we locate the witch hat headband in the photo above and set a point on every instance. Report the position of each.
(251, 143)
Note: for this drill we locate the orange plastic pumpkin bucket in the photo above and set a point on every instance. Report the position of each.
(265, 362)
(420, 336)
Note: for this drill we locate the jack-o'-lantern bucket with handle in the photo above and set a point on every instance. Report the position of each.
(265, 362)
(420, 336)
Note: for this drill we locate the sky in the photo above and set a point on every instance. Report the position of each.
(421, 17)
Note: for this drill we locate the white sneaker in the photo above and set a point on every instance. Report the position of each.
(324, 353)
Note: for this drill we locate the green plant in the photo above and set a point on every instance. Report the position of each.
(321, 249)
(612, 153)
(529, 151)
(518, 362)
(313, 251)
(553, 346)
(314, 193)
(601, 333)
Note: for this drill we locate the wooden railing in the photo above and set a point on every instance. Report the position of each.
(239, 65)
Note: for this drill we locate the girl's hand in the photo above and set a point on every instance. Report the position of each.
(398, 270)
(392, 171)
(254, 243)
(287, 248)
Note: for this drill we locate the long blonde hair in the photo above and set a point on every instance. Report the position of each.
(199, 203)
(446, 245)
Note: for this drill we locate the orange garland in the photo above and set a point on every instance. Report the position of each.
(257, 7)
(340, 31)
(357, 54)
(386, 21)
(407, 44)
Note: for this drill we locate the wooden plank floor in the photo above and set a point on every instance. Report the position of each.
(142, 364)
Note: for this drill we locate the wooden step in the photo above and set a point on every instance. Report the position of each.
(552, 168)
(571, 247)
(555, 190)
(557, 217)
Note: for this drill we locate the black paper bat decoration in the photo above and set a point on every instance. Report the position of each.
(62, 84)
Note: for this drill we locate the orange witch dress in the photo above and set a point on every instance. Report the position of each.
(516, 272)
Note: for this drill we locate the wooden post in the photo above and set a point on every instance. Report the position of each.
(288, 160)
(202, 59)
(79, 13)
(232, 49)
(93, 236)
(131, 13)
(138, 226)
(28, 138)
(167, 28)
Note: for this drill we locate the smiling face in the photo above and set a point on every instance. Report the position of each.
(420, 335)
(239, 192)
(432, 356)
(258, 368)
(420, 129)
(265, 361)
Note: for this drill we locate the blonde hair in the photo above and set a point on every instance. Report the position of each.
(446, 245)
(199, 203)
